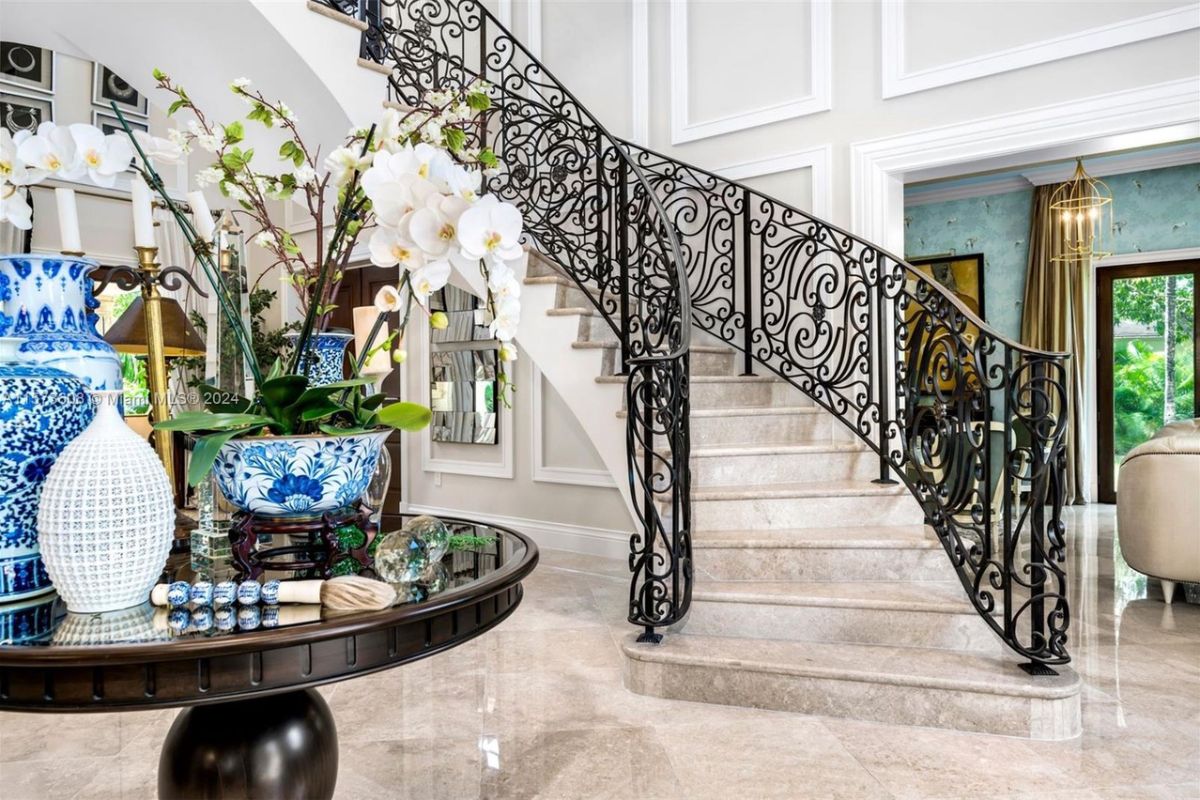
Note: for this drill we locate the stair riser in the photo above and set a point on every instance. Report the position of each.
(703, 363)
(571, 296)
(804, 512)
(595, 328)
(771, 468)
(749, 394)
(821, 564)
(900, 705)
(895, 627)
(762, 428)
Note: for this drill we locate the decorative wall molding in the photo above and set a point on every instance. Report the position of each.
(897, 81)
(533, 27)
(548, 535)
(1148, 257)
(1154, 114)
(539, 470)
(505, 431)
(818, 99)
(818, 160)
(639, 89)
(504, 13)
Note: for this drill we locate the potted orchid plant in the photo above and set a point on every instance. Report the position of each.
(302, 445)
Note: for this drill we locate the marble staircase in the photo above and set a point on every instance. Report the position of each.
(817, 590)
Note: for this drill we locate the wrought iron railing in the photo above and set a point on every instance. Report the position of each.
(973, 423)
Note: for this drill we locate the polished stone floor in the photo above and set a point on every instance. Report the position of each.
(536, 709)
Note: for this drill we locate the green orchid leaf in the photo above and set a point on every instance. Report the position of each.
(192, 421)
(374, 401)
(279, 393)
(205, 453)
(276, 370)
(405, 416)
(220, 401)
(333, 430)
(320, 409)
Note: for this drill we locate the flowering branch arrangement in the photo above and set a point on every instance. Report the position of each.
(410, 179)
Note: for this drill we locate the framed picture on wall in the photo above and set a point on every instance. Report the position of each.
(27, 67)
(108, 86)
(20, 112)
(962, 275)
(108, 123)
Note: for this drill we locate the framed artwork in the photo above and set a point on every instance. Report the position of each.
(108, 123)
(107, 86)
(27, 67)
(23, 113)
(962, 275)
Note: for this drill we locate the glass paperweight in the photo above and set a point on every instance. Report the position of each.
(433, 532)
(402, 557)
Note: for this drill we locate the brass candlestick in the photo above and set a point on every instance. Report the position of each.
(156, 361)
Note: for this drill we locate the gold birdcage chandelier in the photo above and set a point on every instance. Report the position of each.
(1083, 210)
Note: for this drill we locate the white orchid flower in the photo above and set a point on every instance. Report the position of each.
(12, 168)
(428, 279)
(508, 352)
(51, 151)
(103, 156)
(389, 249)
(158, 150)
(431, 230)
(387, 300)
(463, 182)
(393, 199)
(491, 229)
(344, 162)
(506, 318)
(13, 208)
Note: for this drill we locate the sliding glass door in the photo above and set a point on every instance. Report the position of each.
(1147, 357)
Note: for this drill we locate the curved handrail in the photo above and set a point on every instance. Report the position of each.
(929, 412)
(906, 365)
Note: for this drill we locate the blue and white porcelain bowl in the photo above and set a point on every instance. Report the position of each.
(297, 476)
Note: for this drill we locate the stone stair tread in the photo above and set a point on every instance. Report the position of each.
(726, 450)
(870, 537)
(334, 14)
(846, 488)
(706, 379)
(603, 345)
(930, 668)
(749, 411)
(947, 597)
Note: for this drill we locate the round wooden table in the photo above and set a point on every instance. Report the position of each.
(253, 726)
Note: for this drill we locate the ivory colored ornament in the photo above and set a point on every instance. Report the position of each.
(106, 517)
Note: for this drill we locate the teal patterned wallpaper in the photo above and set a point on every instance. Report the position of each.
(1152, 210)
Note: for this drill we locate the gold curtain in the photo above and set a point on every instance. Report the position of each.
(1052, 318)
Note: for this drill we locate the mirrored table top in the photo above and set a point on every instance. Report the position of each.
(479, 557)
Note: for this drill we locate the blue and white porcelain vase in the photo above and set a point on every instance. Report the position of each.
(41, 410)
(297, 476)
(48, 302)
(326, 355)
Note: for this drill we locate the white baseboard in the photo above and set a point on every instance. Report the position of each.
(547, 535)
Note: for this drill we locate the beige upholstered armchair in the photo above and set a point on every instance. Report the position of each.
(1158, 506)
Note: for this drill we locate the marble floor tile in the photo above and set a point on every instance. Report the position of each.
(537, 709)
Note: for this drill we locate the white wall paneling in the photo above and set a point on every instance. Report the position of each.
(818, 160)
(506, 432)
(548, 473)
(639, 89)
(818, 98)
(897, 80)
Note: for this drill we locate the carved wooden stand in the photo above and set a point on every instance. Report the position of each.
(337, 543)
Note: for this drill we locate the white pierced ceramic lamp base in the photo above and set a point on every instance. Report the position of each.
(106, 517)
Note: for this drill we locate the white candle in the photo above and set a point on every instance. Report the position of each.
(202, 215)
(68, 220)
(143, 214)
(364, 320)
